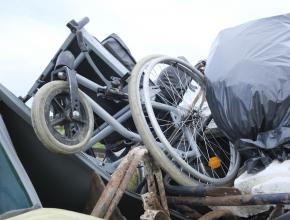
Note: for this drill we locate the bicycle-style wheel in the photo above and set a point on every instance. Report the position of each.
(168, 107)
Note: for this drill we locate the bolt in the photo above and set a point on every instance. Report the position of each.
(61, 75)
(75, 114)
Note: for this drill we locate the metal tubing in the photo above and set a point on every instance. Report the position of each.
(113, 122)
(200, 190)
(78, 60)
(161, 106)
(95, 68)
(88, 83)
(117, 115)
(94, 45)
(106, 131)
(236, 200)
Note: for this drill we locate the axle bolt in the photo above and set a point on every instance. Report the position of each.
(75, 114)
(61, 75)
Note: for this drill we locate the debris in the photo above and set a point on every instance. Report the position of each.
(152, 207)
(252, 113)
(116, 187)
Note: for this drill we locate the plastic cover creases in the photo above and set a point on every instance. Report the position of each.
(248, 83)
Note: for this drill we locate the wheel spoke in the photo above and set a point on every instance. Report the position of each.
(67, 130)
(80, 120)
(57, 120)
(181, 131)
(57, 105)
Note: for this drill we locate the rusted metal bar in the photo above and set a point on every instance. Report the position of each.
(149, 175)
(236, 200)
(109, 192)
(217, 214)
(116, 187)
(277, 211)
(150, 201)
(96, 189)
(152, 207)
(128, 176)
(189, 212)
(153, 173)
(154, 215)
(202, 190)
(163, 198)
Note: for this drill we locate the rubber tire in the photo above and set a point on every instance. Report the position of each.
(144, 130)
(39, 122)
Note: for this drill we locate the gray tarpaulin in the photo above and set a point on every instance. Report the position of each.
(248, 83)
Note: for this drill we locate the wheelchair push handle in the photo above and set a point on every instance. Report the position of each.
(83, 22)
(75, 26)
(81, 42)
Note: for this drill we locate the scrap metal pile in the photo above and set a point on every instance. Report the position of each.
(208, 141)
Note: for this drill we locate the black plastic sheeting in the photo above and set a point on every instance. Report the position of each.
(248, 88)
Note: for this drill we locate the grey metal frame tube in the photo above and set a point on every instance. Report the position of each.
(113, 122)
(107, 130)
(102, 113)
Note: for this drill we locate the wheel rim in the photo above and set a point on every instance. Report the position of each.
(175, 151)
(58, 116)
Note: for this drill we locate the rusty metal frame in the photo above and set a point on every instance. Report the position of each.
(218, 214)
(152, 207)
(232, 200)
(116, 187)
(155, 201)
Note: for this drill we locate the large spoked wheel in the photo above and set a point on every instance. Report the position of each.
(169, 110)
(53, 122)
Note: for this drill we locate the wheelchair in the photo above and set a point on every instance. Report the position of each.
(94, 93)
